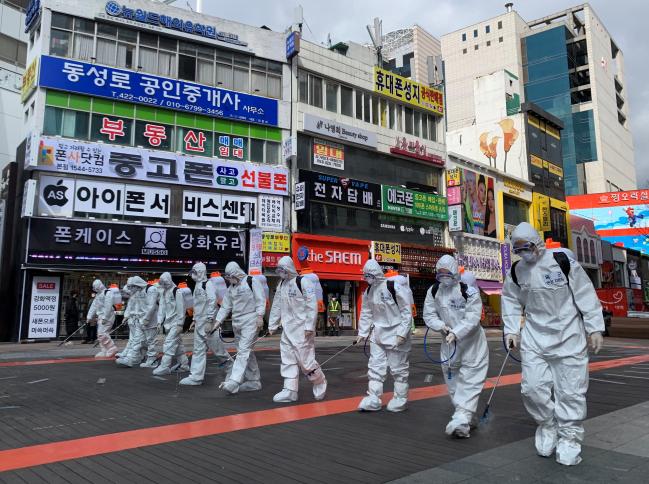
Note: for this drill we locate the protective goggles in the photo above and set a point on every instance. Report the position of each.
(523, 248)
(368, 276)
(280, 271)
(443, 276)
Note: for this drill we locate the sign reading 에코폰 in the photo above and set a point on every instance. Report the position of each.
(138, 87)
(44, 307)
(414, 203)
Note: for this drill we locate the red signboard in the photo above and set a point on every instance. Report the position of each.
(614, 300)
(46, 285)
(270, 259)
(415, 149)
(331, 257)
(609, 199)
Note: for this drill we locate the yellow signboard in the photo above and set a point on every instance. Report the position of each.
(541, 205)
(514, 187)
(454, 177)
(555, 170)
(276, 242)
(386, 252)
(536, 161)
(29, 80)
(407, 91)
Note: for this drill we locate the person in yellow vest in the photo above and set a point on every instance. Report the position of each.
(333, 310)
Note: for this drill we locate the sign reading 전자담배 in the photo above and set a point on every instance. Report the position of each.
(341, 191)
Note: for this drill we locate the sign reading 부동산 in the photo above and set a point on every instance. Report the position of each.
(141, 88)
(414, 204)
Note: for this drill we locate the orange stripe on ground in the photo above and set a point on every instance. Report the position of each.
(102, 444)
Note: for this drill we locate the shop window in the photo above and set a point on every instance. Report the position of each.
(332, 96)
(111, 129)
(515, 211)
(346, 101)
(257, 150)
(409, 120)
(272, 153)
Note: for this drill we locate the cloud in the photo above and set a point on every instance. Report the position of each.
(346, 20)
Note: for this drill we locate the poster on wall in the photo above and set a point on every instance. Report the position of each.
(329, 155)
(479, 206)
(44, 307)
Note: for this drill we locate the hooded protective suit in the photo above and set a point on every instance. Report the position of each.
(171, 315)
(296, 310)
(103, 310)
(128, 319)
(140, 339)
(559, 313)
(387, 323)
(205, 306)
(247, 306)
(448, 310)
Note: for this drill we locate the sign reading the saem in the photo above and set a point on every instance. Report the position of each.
(340, 258)
(88, 243)
(115, 10)
(141, 88)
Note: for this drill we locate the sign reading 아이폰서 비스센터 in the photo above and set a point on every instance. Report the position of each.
(141, 88)
(414, 204)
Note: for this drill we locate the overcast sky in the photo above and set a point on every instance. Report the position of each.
(626, 21)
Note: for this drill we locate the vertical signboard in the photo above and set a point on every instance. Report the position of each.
(44, 307)
(255, 257)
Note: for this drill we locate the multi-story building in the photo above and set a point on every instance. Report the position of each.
(13, 57)
(565, 63)
(154, 142)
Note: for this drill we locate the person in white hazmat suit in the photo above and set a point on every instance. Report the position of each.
(205, 307)
(140, 337)
(246, 301)
(126, 294)
(385, 320)
(171, 315)
(561, 309)
(295, 309)
(150, 323)
(454, 309)
(103, 310)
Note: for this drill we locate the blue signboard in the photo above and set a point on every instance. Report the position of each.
(292, 45)
(141, 88)
(32, 14)
(114, 9)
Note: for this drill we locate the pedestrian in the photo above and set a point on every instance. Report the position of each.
(245, 299)
(150, 323)
(91, 325)
(72, 314)
(205, 307)
(334, 315)
(295, 309)
(561, 312)
(102, 310)
(454, 309)
(385, 320)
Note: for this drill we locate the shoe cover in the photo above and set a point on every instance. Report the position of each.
(319, 390)
(188, 380)
(229, 386)
(101, 354)
(118, 354)
(150, 363)
(370, 403)
(285, 396)
(162, 370)
(124, 362)
(568, 452)
(400, 397)
(182, 368)
(250, 386)
(462, 431)
(110, 352)
(545, 439)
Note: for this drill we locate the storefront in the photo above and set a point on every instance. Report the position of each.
(516, 201)
(338, 262)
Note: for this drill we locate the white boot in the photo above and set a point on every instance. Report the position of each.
(285, 396)
(568, 452)
(188, 380)
(459, 426)
(165, 366)
(149, 363)
(124, 362)
(546, 438)
(372, 402)
(229, 386)
(250, 386)
(184, 364)
(319, 381)
(101, 354)
(399, 398)
(110, 352)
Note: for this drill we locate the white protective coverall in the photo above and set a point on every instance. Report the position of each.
(247, 306)
(126, 293)
(558, 315)
(103, 310)
(448, 310)
(205, 306)
(150, 323)
(171, 315)
(296, 310)
(384, 320)
(139, 338)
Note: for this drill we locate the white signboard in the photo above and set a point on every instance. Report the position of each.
(255, 255)
(271, 213)
(455, 218)
(341, 131)
(219, 208)
(29, 196)
(126, 163)
(56, 196)
(289, 147)
(300, 196)
(44, 307)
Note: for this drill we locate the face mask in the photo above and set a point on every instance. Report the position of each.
(281, 272)
(231, 279)
(194, 276)
(445, 279)
(529, 257)
(369, 278)
(165, 284)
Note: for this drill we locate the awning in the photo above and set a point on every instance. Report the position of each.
(490, 287)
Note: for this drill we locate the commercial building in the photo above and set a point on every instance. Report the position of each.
(154, 141)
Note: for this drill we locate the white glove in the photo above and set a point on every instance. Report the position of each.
(450, 337)
(400, 340)
(360, 339)
(260, 322)
(512, 340)
(596, 341)
(446, 330)
(209, 329)
(191, 326)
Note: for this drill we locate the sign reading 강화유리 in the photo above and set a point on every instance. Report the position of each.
(408, 91)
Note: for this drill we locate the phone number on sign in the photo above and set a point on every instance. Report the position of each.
(167, 103)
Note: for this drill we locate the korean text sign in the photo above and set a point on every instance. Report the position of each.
(141, 88)
(408, 91)
(415, 204)
(89, 243)
(44, 307)
(341, 191)
(103, 160)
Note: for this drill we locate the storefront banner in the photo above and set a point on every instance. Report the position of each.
(541, 205)
(140, 88)
(611, 199)
(387, 252)
(454, 177)
(341, 191)
(419, 260)
(329, 155)
(341, 131)
(105, 160)
(454, 195)
(300, 196)
(408, 91)
(276, 242)
(44, 307)
(331, 257)
(255, 256)
(89, 243)
(56, 196)
(415, 204)
(431, 231)
(219, 208)
(614, 300)
(271, 259)
(271, 212)
(455, 218)
(413, 148)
